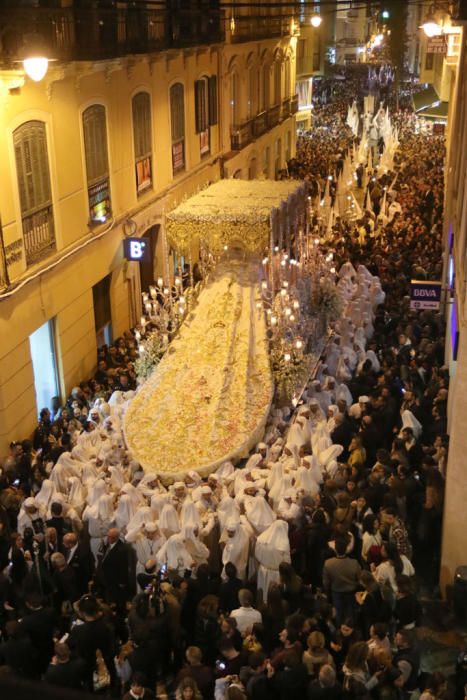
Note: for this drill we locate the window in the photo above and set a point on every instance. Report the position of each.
(142, 130)
(44, 365)
(266, 158)
(429, 61)
(287, 80)
(234, 99)
(288, 146)
(35, 194)
(102, 311)
(265, 87)
(277, 82)
(97, 163)
(202, 115)
(177, 120)
(252, 91)
(278, 156)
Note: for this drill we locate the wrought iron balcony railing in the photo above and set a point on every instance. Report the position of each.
(241, 135)
(38, 235)
(97, 33)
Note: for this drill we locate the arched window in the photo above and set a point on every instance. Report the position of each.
(177, 122)
(97, 163)
(287, 80)
(234, 99)
(35, 193)
(277, 82)
(265, 87)
(252, 91)
(142, 137)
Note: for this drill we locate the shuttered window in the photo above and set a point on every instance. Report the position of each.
(142, 125)
(142, 130)
(177, 112)
(201, 105)
(97, 163)
(32, 167)
(213, 118)
(177, 124)
(95, 143)
(35, 192)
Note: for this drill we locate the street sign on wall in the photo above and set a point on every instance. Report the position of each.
(437, 44)
(425, 295)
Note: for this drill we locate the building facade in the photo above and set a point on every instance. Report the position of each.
(140, 109)
(455, 282)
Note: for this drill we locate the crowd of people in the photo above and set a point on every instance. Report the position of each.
(294, 574)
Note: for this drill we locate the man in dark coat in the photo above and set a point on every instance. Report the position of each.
(39, 623)
(116, 571)
(80, 559)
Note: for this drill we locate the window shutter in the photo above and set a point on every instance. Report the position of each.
(95, 143)
(177, 112)
(32, 166)
(212, 84)
(142, 125)
(201, 117)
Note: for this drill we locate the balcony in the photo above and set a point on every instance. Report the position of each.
(260, 124)
(274, 114)
(254, 28)
(241, 135)
(98, 33)
(38, 235)
(285, 110)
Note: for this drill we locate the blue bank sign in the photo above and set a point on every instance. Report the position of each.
(425, 295)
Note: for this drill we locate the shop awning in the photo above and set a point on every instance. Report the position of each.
(425, 98)
(437, 111)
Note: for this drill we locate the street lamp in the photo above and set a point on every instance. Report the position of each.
(431, 27)
(316, 20)
(36, 67)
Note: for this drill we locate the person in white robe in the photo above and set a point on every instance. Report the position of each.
(358, 409)
(189, 515)
(236, 547)
(305, 481)
(272, 548)
(158, 501)
(30, 516)
(76, 494)
(174, 555)
(146, 541)
(100, 518)
(143, 515)
(124, 512)
(135, 495)
(409, 421)
(197, 549)
(169, 521)
(288, 509)
(117, 478)
(98, 489)
(259, 513)
(228, 510)
(45, 496)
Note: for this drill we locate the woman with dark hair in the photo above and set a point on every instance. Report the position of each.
(274, 614)
(357, 679)
(229, 630)
(371, 539)
(408, 610)
(207, 630)
(317, 534)
(372, 606)
(141, 621)
(392, 565)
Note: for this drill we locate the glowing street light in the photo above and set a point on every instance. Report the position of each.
(431, 28)
(316, 21)
(36, 67)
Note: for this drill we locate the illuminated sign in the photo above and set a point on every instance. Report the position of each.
(425, 295)
(136, 249)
